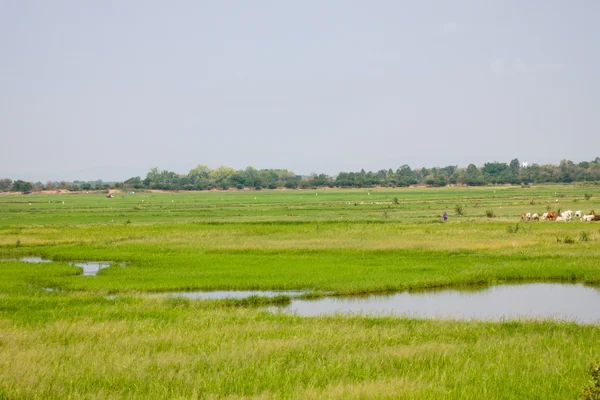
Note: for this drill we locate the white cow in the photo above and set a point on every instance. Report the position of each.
(578, 214)
(527, 216)
(560, 219)
(535, 217)
(567, 215)
(587, 218)
(544, 216)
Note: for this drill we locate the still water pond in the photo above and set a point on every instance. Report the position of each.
(90, 268)
(573, 302)
(32, 260)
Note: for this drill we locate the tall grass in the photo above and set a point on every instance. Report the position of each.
(58, 346)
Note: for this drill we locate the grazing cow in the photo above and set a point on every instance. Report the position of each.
(560, 219)
(528, 216)
(596, 218)
(578, 214)
(544, 216)
(567, 215)
(535, 217)
(587, 218)
(551, 215)
(523, 217)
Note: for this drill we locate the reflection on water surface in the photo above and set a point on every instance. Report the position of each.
(574, 302)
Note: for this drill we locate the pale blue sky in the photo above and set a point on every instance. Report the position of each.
(109, 89)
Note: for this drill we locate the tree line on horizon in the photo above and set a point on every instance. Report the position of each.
(223, 178)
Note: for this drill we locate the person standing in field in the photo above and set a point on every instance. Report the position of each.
(445, 216)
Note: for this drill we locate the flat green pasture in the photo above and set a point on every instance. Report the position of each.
(414, 204)
(64, 335)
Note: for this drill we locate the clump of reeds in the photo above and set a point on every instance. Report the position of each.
(566, 240)
(584, 236)
(513, 229)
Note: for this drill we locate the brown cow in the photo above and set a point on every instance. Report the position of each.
(551, 216)
(592, 212)
(596, 218)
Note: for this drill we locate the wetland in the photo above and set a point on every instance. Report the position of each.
(115, 334)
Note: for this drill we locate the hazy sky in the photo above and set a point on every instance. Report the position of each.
(109, 89)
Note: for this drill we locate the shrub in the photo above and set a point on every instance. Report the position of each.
(548, 207)
(490, 213)
(395, 200)
(459, 209)
(587, 196)
(592, 392)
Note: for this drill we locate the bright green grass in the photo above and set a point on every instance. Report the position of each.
(280, 205)
(77, 343)
(56, 346)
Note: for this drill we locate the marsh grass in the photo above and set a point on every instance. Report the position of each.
(513, 229)
(565, 239)
(192, 349)
(584, 236)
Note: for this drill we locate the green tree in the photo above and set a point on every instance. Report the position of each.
(133, 181)
(221, 176)
(319, 180)
(22, 186)
(515, 167)
(473, 176)
(199, 173)
(5, 184)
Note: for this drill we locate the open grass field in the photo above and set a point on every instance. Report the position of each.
(82, 341)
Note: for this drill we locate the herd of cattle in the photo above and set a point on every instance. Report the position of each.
(564, 216)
